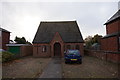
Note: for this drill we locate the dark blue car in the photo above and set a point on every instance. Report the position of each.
(73, 56)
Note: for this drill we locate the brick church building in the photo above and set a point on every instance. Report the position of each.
(111, 42)
(53, 38)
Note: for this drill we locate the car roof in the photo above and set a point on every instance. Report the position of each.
(73, 50)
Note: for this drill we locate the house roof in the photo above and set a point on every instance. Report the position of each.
(68, 30)
(114, 17)
(4, 30)
(111, 35)
(17, 45)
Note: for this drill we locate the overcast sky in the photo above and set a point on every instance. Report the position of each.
(23, 18)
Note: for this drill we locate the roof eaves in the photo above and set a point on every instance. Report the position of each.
(4, 30)
(111, 35)
(114, 17)
(112, 20)
(40, 42)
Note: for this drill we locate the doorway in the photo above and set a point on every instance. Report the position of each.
(57, 50)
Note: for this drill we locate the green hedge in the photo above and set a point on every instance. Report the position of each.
(6, 56)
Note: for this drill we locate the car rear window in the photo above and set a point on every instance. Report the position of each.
(73, 52)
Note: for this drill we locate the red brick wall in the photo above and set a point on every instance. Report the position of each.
(37, 48)
(26, 50)
(5, 39)
(113, 27)
(119, 42)
(113, 57)
(118, 25)
(109, 44)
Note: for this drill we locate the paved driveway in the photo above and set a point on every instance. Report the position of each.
(53, 69)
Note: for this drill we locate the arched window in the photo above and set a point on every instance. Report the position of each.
(44, 48)
(77, 47)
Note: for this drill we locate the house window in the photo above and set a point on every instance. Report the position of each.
(44, 48)
(68, 46)
(77, 47)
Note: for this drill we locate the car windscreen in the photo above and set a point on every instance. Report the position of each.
(73, 52)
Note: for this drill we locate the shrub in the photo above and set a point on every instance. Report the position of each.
(7, 56)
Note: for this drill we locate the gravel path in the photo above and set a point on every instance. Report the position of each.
(90, 68)
(27, 67)
(53, 69)
(30, 67)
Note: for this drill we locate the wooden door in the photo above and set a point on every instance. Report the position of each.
(57, 50)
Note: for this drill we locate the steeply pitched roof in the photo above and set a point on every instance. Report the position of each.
(1, 29)
(114, 17)
(68, 31)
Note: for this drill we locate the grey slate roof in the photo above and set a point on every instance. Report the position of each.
(111, 35)
(114, 17)
(4, 30)
(68, 31)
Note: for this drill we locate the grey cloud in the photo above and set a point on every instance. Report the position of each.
(90, 15)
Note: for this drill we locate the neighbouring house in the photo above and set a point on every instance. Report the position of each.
(111, 42)
(53, 38)
(4, 38)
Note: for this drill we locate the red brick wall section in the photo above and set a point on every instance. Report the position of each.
(103, 44)
(26, 50)
(113, 27)
(119, 25)
(109, 44)
(5, 39)
(37, 49)
(98, 54)
(112, 44)
(38, 52)
(113, 57)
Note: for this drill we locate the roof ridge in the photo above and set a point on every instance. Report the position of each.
(56, 21)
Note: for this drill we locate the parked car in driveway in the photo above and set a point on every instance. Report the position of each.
(72, 56)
